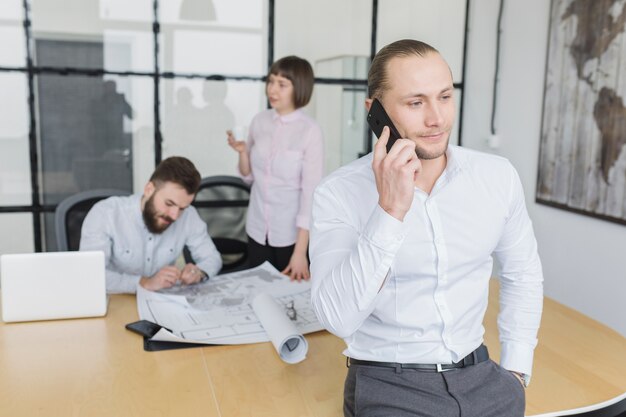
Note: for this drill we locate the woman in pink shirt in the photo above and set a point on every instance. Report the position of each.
(283, 160)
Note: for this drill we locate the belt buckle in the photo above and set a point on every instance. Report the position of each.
(440, 368)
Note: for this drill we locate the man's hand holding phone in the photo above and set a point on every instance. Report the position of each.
(395, 174)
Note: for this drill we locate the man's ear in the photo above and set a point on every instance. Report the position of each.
(368, 103)
(149, 189)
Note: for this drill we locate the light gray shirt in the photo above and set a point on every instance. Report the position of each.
(116, 227)
(416, 291)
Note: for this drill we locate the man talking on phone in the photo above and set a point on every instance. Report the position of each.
(402, 249)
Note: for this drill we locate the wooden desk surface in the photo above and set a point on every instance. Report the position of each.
(95, 367)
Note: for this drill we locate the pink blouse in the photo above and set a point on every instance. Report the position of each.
(287, 162)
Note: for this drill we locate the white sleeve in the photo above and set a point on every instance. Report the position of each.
(96, 234)
(521, 285)
(349, 266)
(202, 248)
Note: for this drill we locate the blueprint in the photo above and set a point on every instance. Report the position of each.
(220, 311)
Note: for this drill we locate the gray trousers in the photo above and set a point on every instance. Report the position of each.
(481, 390)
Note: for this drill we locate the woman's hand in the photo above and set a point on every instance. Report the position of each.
(238, 145)
(298, 268)
(242, 149)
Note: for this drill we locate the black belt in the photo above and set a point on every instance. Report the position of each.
(481, 354)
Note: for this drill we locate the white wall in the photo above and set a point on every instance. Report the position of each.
(583, 258)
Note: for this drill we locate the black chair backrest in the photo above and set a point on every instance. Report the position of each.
(71, 212)
(222, 202)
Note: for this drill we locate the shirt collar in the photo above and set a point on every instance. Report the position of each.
(455, 162)
(454, 166)
(287, 118)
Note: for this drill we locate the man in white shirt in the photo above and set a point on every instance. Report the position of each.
(142, 235)
(401, 257)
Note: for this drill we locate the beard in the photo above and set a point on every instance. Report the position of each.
(427, 154)
(151, 218)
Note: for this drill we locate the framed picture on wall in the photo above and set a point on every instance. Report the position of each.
(582, 161)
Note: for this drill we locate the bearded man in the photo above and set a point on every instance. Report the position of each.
(142, 235)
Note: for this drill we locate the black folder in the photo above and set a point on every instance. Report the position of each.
(147, 329)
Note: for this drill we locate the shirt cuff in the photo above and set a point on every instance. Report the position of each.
(517, 357)
(136, 279)
(123, 284)
(303, 222)
(248, 179)
(205, 276)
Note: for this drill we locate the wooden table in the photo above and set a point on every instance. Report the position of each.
(95, 367)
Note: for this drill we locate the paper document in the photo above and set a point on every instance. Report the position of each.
(220, 311)
(289, 343)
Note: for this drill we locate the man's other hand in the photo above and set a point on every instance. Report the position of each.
(166, 277)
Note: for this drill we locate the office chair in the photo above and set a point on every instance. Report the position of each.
(71, 212)
(222, 202)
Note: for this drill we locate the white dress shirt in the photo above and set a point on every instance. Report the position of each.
(287, 163)
(116, 226)
(416, 291)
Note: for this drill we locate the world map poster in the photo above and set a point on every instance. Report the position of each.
(582, 162)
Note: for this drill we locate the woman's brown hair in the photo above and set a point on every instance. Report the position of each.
(300, 73)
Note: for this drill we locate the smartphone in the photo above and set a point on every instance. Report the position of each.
(377, 118)
(144, 327)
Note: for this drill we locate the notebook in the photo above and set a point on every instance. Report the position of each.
(52, 285)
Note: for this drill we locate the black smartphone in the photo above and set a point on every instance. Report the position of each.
(377, 118)
(144, 327)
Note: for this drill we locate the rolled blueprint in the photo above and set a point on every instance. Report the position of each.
(288, 341)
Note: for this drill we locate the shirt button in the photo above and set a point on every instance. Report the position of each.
(148, 259)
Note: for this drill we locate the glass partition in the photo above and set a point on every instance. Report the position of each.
(196, 114)
(88, 131)
(113, 35)
(12, 37)
(323, 30)
(20, 227)
(214, 36)
(98, 131)
(340, 111)
(15, 185)
(438, 23)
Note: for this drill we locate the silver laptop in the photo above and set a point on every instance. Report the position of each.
(52, 285)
